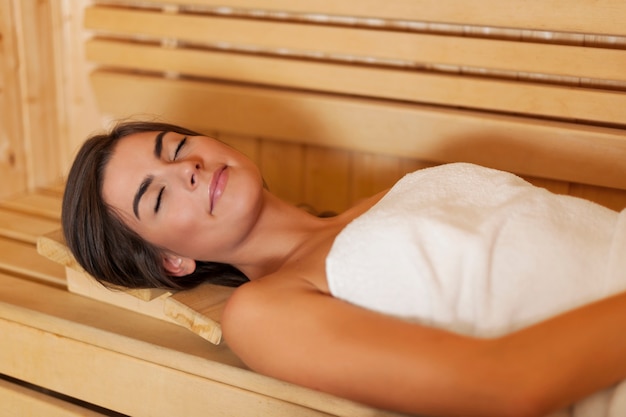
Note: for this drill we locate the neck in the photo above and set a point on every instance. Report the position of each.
(279, 234)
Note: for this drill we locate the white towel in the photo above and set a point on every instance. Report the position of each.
(479, 252)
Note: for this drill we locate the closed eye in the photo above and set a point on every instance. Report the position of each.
(179, 147)
(158, 200)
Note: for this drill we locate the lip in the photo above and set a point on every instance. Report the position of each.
(217, 186)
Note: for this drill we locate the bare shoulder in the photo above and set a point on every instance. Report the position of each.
(264, 323)
(260, 309)
(289, 330)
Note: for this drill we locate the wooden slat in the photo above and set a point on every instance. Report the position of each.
(94, 368)
(24, 227)
(37, 204)
(248, 146)
(23, 259)
(573, 61)
(611, 198)
(604, 16)
(199, 310)
(52, 246)
(372, 174)
(18, 400)
(38, 102)
(486, 94)
(543, 149)
(282, 168)
(84, 348)
(326, 179)
(558, 187)
(12, 158)
(54, 189)
(78, 282)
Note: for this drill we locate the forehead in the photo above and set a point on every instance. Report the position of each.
(132, 160)
(135, 142)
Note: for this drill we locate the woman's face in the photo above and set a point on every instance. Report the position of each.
(192, 195)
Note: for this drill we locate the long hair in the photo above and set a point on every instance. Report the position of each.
(98, 238)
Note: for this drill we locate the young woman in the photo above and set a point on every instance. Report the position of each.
(462, 291)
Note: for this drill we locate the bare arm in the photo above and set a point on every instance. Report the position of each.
(297, 334)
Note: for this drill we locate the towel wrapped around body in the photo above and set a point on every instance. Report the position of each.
(482, 252)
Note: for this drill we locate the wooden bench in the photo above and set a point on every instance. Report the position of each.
(81, 356)
(334, 101)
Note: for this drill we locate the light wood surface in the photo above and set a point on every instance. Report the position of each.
(18, 400)
(24, 227)
(597, 17)
(12, 156)
(378, 127)
(70, 339)
(38, 204)
(198, 310)
(330, 42)
(399, 84)
(333, 100)
(22, 259)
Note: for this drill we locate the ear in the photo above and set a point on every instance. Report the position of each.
(178, 266)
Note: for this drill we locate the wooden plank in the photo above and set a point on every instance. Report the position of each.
(558, 187)
(18, 400)
(79, 115)
(408, 165)
(501, 55)
(477, 93)
(372, 173)
(23, 259)
(54, 189)
(94, 374)
(611, 198)
(604, 16)
(249, 146)
(52, 246)
(78, 282)
(96, 352)
(282, 168)
(38, 92)
(531, 147)
(199, 310)
(25, 227)
(12, 157)
(37, 204)
(326, 179)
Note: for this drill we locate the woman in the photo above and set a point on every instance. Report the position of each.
(155, 205)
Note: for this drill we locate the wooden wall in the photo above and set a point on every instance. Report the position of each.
(46, 107)
(539, 90)
(48, 101)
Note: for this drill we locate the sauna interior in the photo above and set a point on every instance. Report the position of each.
(333, 100)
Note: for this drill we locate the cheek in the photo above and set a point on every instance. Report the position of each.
(177, 224)
(185, 221)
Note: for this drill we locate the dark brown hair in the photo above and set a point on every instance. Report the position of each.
(100, 241)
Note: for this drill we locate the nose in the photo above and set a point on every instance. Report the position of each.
(188, 173)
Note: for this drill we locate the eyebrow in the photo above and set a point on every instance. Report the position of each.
(158, 144)
(140, 192)
(158, 148)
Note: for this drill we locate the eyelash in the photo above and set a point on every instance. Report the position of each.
(158, 201)
(181, 144)
(179, 147)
